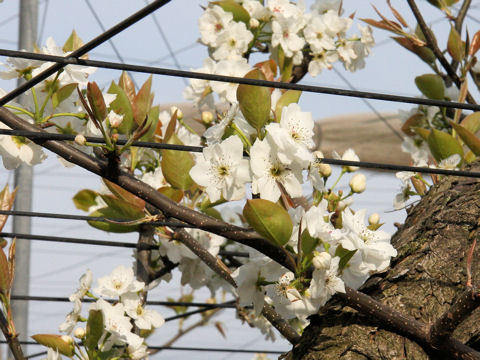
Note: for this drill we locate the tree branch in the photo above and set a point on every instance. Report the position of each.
(461, 15)
(144, 270)
(432, 44)
(12, 340)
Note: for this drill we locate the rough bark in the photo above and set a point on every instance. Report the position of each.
(424, 281)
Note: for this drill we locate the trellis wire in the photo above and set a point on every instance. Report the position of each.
(60, 239)
(92, 44)
(183, 348)
(363, 164)
(226, 305)
(72, 60)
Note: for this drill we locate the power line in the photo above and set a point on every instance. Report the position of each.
(63, 61)
(364, 164)
(92, 44)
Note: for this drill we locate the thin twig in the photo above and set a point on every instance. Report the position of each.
(12, 339)
(461, 15)
(461, 309)
(432, 44)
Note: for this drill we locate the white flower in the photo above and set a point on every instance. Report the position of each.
(451, 162)
(255, 9)
(213, 21)
(325, 282)
(121, 281)
(114, 119)
(233, 41)
(293, 136)
(199, 91)
(322, 60)
(15, 150)
(53, 354)
(318, 36)
(155, 179)
(145, 319)
(72, 318)
(268, 169)
(17, 67)
(322, 261)
(374, 246)
(348, 155)
(322, 6)
(285, 33)
(283, 8)
(222, 170)
(85, 284)
(138, 352)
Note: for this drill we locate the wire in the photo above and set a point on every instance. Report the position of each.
(193, 312)
(44, 20)
(63, 61)
(88, 218)
(147, 10)
(226, 305)
(363, 164)
(61, 239)
(98, 140)
(183, 348)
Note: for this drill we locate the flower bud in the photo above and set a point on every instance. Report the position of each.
(374, 219)
(114, 119)
(67, 338)
(325, 170)
(79, 333)
(253, 23)
(179, 112)
(207, 117)
(358, 183)
(322, 261)
(80, 139)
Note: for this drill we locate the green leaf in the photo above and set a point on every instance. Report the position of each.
(55, 342)
(63, 94)
(443, 145)
(414, 121)
(143, 101)
(431, 85)
(423, 52)
(5, 277)
(94, 329)
(97, 103)
(121, 105)
(254, 101)
(238, 11)
(287, 98)
(344, 255)
(455, 45)
(116, 209)
(309, 243)
(213, 213)
(127, 84)
(422, 132)
(84, 199)
(73, 42)
(472, 122)
(151, 124)
(269, 220)
(125, 195)
(176, 166)
(468, 138)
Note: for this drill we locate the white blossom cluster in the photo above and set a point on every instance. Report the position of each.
(120, 317)
(319, 35)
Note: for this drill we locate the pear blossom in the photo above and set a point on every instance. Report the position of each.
(222, 170)
(322, 6)
(285, 33)
(284, 8)
(322, 60)
(18, 67)
(293, 136)
(317, 35)
(237, 67)
(72, 318)
(374, 246)
(199, 91)
(358, 183)
(233, 41)
(325, 282)
(348, 155)
(268, 169)
(121, 281)
(85, 284)
(212, 22)
(145, 319)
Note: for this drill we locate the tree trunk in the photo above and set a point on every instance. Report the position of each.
(426, 277)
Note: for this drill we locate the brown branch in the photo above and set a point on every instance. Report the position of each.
(167, 268)
(12, 340)
(280, 324)
(210, 260)
(168, 207)
(407, 326)
(462, 308)
(461, 15)
(432, 44)
(144, 271)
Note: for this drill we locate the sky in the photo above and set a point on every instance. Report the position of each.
(56, 267)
